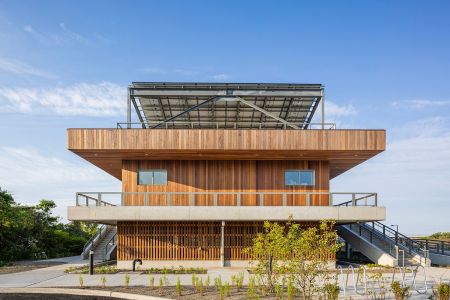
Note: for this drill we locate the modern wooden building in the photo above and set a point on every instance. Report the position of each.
(207, 163)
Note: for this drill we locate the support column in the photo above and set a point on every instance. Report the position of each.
(129, 109)
(322, 108)
(222, 244)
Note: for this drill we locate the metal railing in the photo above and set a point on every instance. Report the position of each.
(217, 125)
(434, 246)
(96, 238)
(390, 239)
(236, 198)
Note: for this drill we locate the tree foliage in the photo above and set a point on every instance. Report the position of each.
(289, 253)
(32, 232)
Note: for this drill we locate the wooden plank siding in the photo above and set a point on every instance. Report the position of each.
(225, 176)
(106, 148)
(186, 240)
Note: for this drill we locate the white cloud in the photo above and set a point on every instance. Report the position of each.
(221, 77)
(162, 71)
(62, 36)
(420, 103)
(335, 110)
(102, 99)
(17, 67)
(411, 177)
(31, 176)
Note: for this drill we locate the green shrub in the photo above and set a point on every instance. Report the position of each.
(103, 280)
(443, 291)
(251, 291)
(400, 293)
(331, 291)
(81, 281)
(152, 281)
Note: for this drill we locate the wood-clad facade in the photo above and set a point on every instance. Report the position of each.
(227, 176)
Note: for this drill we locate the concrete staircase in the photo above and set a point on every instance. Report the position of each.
(103, 243)
(384, 245)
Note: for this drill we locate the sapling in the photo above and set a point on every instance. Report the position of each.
(199, 286)
(227, 289)
(251, 291)
(81, 280)
(207, 282)
(127, 280)
(161, 284)
(217, 283)
(103, 279)
(194, 280)
(178, 287)
(152, 281)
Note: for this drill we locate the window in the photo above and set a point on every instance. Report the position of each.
(299, 177)
(151, 177)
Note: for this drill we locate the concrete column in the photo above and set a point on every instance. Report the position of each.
(222, 244)
(347, 250)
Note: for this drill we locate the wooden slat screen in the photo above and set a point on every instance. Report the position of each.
(186, 240)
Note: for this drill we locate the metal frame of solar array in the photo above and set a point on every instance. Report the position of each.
(224, 105)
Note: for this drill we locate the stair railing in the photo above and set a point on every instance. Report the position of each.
(110, 244)
(99, 233)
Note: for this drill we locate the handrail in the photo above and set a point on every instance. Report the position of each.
(434, 246)
(90, 244)
(216, 125)
(107, 247)
(358, 198)
(394, 237)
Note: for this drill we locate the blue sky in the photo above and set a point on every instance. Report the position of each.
(385, 64)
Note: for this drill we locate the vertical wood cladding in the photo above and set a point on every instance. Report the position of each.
(224, 176)
(186, 240)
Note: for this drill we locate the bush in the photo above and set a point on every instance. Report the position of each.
(331, 291)
(442, 292)
(400, 293)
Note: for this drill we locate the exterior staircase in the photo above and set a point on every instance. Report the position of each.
(103, 243)
(384, 245)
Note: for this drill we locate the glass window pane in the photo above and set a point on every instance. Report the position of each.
(306, 178)
(291, 178)
(160, 177)
(145, 177)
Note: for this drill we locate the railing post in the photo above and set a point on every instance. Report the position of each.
(238, 199)
(192, 196)
(308, 199)
(284, 199)
(330, 199)
(87, 200)
(376, 199)
(442, 247)
(145, 198)
(215, 199)
(76, 199)
(99, 199)
(353, 199)
(261, 199)
(121, 199)
(396, 237)
(169, 199)
(384, 231)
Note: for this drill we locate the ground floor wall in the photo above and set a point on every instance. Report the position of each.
(169, 243)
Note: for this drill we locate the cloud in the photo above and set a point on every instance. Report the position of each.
(335, 110)
(161, 71)
(411, 177)
(221, 77)
(420, 103)
(31, 176)
(62, 36)
(18, 67)
(102, 99)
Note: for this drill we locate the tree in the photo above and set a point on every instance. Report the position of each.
(30, 232)
(294, 254)
(269, 250)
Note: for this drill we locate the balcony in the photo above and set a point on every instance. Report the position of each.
(110, 207)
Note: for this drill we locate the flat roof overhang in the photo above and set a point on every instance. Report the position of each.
(107, 148)
(114, 214)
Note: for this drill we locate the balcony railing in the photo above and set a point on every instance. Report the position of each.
(225, 199)
(217, 125)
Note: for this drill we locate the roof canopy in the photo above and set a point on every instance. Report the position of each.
(224, 105)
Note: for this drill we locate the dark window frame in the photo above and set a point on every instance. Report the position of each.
(299, 171)
(153, 176)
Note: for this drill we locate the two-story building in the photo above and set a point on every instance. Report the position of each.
(207, 163)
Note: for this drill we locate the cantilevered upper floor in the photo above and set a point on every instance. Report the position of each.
(236, 150)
